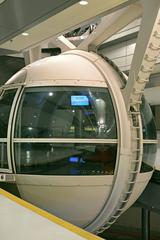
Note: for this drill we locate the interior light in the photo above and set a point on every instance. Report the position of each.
(83, 2)
(25, 34)
(50, 94)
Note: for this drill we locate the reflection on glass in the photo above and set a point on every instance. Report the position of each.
(6, 100)
(66, 112)
(149, 132)
(148, 123)
(5, 106)
(149, 153)
(3, 155)
(65, 158)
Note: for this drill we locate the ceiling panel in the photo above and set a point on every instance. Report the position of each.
(4, 31)
(21, 14)
(65, 20)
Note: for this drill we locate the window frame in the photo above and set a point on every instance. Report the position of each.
(60, 140)
(7, 140)
(38, 89)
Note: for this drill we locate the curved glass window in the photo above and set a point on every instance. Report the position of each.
(148, 123)
(67, 125)
(5, 106)
(149, 154)
(66, 112)
(149, 133)
(65, 158)
(3, 155)
(6, 100)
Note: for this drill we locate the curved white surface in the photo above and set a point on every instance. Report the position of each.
(77, 198)
(87, 201)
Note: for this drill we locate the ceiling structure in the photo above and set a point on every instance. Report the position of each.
(18, 15)
(44, 20)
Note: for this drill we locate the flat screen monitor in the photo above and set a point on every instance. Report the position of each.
(80, 100)
(73, 159)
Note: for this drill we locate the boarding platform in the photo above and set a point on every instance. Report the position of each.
(22, 220)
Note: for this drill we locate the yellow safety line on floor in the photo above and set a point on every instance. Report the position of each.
(50, 217)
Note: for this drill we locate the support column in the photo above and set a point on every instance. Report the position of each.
(145, 224)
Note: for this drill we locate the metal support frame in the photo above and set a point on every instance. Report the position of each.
(146, 53)
(149, 202)
(147, 45)
(65, 44)
(34, 54)
(145, 224)
(110, 25)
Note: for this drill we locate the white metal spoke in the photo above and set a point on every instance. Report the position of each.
(146, 53)
(110, 25)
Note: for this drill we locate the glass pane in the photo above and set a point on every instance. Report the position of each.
(3, 155)
(149, 153)
(66, 112)
(65, 159)
(148, 123)
(5, 106)
(156, 177)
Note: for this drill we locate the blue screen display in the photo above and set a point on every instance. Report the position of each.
(73, 159)
(79, 100)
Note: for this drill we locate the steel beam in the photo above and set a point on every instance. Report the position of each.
(146, 52)
(145, 224)
(110, 25)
